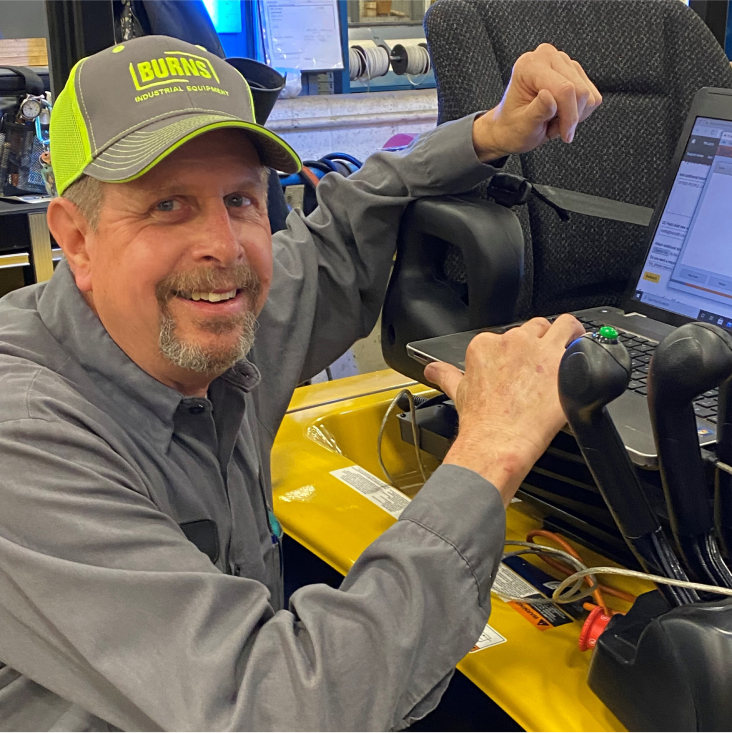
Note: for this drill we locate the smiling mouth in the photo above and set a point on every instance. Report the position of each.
(208, 296)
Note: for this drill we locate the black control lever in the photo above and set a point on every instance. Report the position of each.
(595, 370)
(723, 479)
(691, 360)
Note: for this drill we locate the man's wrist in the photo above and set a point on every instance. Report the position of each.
(486, 146)
(503, 463)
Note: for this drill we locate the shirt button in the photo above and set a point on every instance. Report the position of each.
(196, 409)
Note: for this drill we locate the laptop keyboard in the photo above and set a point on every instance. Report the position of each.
(641, 350)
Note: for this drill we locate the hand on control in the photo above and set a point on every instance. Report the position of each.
(548, 96)
(508, 399)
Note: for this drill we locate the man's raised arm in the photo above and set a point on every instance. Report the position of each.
(332, 268)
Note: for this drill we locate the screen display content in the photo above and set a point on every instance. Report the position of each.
(688, 269)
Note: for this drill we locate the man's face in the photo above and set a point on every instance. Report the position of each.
(181, 261)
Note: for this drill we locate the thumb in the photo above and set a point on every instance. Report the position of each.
(445, 376)
(542, 108)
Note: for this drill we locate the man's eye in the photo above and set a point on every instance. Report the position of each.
(168, 205)
(237, 201)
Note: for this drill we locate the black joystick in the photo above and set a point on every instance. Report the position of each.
(723, 479)
(691, 360)
(595, 370)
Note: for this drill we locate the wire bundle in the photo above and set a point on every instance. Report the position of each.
(599, 592)
(570, 590)
(566, 594)
(356, 64)
(412, 60)
(367, 63)
(418, 60)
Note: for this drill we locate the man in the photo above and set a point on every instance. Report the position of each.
(140, 562)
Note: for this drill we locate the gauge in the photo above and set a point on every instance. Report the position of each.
(31, 108)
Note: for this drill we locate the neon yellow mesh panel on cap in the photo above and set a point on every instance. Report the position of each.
(70, 146)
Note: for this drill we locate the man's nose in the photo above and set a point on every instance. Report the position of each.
(215, 237)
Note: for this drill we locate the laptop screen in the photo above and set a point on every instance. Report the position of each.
(688, 270)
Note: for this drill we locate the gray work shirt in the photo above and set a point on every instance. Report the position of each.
(140, 576)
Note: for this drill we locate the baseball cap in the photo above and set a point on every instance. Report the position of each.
(126, 108)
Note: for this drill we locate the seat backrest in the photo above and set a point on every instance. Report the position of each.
(647, 58)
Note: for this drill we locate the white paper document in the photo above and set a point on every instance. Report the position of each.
(303, 34)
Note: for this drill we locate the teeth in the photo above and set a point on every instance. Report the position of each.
(213, 297)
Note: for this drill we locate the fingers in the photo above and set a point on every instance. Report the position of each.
(536, 327)
(565, 330)
(575, 96)
(552, 131)
(548, 96)
(564, 93)
(562, 64)
(595, 98)
(543, 108)
(445, 376)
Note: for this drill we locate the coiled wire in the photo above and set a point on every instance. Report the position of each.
(366, 63)
(412, 60)
(418, 60)
(563, 593)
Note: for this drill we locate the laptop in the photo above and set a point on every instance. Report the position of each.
(686, 274)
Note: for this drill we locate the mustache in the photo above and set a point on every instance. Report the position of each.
(208, 279)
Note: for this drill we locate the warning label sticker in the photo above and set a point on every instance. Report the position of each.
(546, 616)
(489, 637)
(374, 489)
(509, 583)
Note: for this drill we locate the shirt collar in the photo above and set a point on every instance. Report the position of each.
(141, 397)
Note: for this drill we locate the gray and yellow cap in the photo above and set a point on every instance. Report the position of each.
(127, 107)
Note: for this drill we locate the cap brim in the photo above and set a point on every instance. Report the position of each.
(135, 154)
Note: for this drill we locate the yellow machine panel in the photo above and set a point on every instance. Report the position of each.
(537, 675)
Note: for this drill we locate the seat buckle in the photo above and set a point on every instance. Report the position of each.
(508, 189)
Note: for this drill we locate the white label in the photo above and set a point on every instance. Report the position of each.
(295, 195)
(489, 637)
(387, 497)
(509, 583)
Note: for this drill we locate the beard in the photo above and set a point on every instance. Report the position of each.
(190, 355)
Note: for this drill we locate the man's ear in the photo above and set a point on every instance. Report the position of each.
(73, 234)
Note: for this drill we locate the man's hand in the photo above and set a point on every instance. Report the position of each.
(548, 96)
(508, 399)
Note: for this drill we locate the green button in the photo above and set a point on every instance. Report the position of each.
(608, 332)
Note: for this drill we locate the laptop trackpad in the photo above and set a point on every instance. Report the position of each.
(633, 421)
